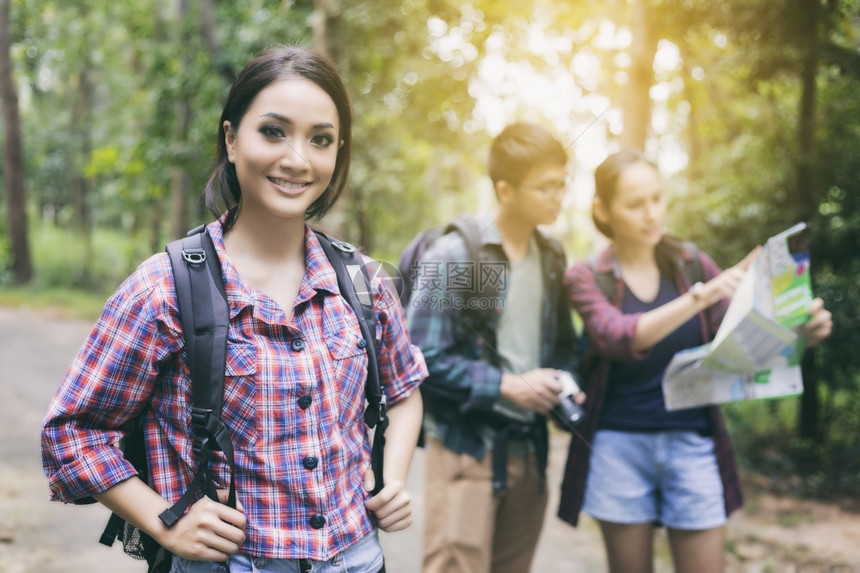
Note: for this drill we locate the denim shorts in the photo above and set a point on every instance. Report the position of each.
(363, 557)
(663, 477)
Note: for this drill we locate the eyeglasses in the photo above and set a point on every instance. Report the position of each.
(550, 188)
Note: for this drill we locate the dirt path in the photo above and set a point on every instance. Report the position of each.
(38, 536)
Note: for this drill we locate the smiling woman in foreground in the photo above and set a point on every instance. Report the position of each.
(296, 359)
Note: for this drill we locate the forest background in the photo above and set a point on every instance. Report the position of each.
(750, 108)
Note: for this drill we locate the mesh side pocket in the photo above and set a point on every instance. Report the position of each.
(134, 541)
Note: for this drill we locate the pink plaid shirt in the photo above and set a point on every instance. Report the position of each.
(293, 403)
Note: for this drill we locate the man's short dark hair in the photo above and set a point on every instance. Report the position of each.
(521, 147)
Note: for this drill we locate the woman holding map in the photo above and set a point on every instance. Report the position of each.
(635, 464)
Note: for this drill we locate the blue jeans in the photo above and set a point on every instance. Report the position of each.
(363, 557)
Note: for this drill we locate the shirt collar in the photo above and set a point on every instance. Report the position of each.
(319, 276)
(607, 263)
(490, 234)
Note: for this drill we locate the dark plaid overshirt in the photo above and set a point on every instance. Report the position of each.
(460, 359)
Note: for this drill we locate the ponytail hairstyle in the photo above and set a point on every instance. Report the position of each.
(223, 190)
(606, 176)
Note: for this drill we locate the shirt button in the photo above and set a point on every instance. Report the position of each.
(304, 401)
(362, 343)
(310, 462)
(317, 521)
(298, 344)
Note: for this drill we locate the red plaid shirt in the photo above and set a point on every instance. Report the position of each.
(610, 337)
(293, 403)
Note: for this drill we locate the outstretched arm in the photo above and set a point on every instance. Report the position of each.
(655, 325)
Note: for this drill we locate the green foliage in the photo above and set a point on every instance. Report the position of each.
(766, 442)
(62, 254)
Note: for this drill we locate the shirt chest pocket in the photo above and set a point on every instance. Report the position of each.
(240, 393)
(346, 374)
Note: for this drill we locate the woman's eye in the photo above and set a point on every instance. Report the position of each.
(322, 140)
(272, 131)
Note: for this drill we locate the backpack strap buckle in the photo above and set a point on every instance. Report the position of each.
(341, 246)
(194, 256)
(376, 413)
(202, 421)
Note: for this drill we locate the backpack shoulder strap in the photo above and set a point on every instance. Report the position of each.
(353, 280)
(409, 263)
(605, 281)
(470, 229)
(693, 268)
(205, 316)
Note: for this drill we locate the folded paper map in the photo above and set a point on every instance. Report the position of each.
(756, 352)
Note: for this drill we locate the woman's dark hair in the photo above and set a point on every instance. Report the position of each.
(606, 178)
(222, 189)
(521, 147)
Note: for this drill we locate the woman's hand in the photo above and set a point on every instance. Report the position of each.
(725, 284)
(392, 506)
(210, 531)
(820, 323)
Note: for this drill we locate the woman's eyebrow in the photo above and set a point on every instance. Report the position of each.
(278, 117)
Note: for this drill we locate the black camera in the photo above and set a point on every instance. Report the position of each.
(568, 410)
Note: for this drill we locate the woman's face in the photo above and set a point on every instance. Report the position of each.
(637, 212)
(285, 148)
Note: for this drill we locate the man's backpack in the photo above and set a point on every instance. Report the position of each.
(412, 267)
(204, 315)
(409, 265)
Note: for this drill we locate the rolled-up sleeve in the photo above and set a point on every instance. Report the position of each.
(401, 364)
(106, 385)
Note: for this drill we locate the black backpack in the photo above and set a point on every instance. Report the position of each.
(410, 258)
(204, 315)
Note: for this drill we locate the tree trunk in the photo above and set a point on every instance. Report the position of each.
(807, 196)
(13, 158)
(209, 30)
(180, 179)
(82, 185)
(180, 185)
(323, 11)
(348, 212)
(637, 99)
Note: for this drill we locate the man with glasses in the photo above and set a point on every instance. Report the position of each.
(492, 317)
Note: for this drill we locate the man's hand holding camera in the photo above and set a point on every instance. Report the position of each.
(540, 390)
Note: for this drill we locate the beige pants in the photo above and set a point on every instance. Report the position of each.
(470, 530)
